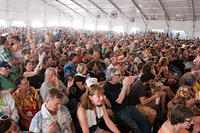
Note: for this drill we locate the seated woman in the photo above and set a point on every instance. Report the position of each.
(94, 71)
(166, 77)
(27, 101)
(179, 120)
(7, 105)
(31, 72)
(79, 80)
(185, 92)
(91, 109)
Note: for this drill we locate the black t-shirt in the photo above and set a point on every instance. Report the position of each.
(79, 92)
(35, 81)
(137, 90)
(112, 92)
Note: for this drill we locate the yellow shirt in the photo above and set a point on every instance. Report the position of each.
(196, 87)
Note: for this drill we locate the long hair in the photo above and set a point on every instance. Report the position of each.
(90, 91)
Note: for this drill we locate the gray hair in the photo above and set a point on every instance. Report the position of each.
(47, 72)
(110, 72)
(189, 79)
(80, 67)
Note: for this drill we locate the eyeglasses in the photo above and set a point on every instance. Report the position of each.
(8, 67)
(190, 120)
(4, 117)
(117, 75)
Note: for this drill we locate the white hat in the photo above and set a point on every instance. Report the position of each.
(91, 81)
(5, 34)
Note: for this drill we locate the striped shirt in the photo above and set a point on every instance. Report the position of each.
(6, 55)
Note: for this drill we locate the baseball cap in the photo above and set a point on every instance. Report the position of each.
(4, 64)
(91, 81)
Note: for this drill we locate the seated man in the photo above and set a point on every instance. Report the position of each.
(52, 81)
(53, 113)
(27, 101)
(118, 93)
(6, 77)
(141, 98)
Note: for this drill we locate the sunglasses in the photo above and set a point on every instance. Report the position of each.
(190, 120)
(4, 117)
(7, 67)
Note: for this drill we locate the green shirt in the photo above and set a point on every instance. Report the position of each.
(8, 82)
(7, 56)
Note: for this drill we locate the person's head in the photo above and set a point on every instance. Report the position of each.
(114, 61)
(109, 54)
(15, 39)
(92, 65)
(48, 61)
(92, 97)
(73, 57)
(139, 54)
(147, 68)
(163, 61)
(22, 83)
(85, 54)
(147, 78)
(4, 68)
(57, 45)
(130, 57)
(96, 55)
(189, 80)
(3, 40)
(65, 56)
(113, 75)
(82, 68)
(181, 116)
(28, 65)
(53, 100)
(50, 75)
(57, 54)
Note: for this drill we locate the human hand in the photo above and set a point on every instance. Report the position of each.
(55, 78)
(41, 57)
(110, 112)
(156, 95)
(198, 96)
(131, 79)
(126, 81)
(53, 128)
(70, 83)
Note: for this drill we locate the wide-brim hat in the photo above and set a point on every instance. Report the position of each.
(121, 58)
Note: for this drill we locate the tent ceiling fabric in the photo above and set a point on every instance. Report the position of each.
(175, 9)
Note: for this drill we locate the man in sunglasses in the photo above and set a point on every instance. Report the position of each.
(7, 78)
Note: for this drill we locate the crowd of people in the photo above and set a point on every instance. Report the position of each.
(60, 80)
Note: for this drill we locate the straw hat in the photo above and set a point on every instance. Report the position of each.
(121, 58)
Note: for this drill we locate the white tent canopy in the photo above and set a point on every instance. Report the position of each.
(112, 15)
